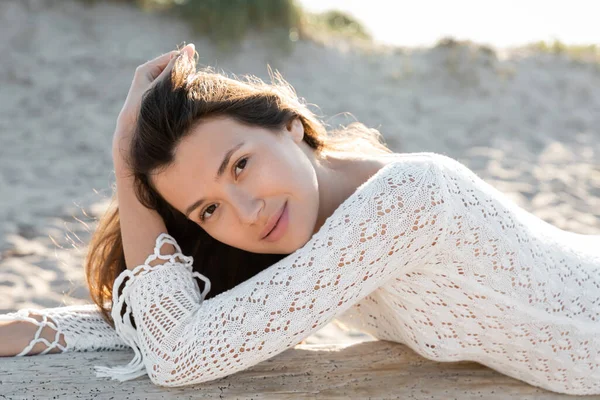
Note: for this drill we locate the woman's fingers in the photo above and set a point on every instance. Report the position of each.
(167, 69)
(188, 50)
(144, 77)
(154, 68)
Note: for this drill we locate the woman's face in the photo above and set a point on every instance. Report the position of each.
(263, 171)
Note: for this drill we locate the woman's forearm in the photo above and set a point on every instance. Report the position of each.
(140, 226)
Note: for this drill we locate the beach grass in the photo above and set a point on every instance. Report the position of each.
(587, 53)
(227, 22)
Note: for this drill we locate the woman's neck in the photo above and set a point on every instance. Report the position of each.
(339, 177)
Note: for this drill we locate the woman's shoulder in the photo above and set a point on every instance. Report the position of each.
(393, 175)
(416, 157)
(418, 161)
(413, 170)
(390, 167)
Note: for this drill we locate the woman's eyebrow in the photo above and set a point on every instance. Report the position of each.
(220, 173)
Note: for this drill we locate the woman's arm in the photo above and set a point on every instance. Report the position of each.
(82, 328)
(139, 225)
(393, 223)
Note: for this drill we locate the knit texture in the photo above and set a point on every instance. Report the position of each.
(423, 253)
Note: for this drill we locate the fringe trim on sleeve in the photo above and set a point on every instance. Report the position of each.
(125, 330)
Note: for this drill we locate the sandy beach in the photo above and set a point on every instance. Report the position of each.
(525, 121)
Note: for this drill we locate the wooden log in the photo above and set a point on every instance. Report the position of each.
(375, 370)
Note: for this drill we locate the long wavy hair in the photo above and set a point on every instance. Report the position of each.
(168, 111)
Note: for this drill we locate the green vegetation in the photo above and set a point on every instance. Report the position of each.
(335, 23)
(577, 52)
(226, 22)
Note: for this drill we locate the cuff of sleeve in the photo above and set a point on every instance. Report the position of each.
(25, 315)
(144, 289)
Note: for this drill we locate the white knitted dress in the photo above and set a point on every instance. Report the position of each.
(424, 253)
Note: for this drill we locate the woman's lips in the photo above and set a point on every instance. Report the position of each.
(280, 227)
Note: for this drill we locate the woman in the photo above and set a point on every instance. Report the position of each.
(296, 228)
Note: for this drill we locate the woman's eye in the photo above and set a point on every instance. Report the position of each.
(202, 215)
(240, 164)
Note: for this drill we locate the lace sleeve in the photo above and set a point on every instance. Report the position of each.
(392, 223)
(70, 328)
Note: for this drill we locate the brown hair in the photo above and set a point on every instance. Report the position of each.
(168, 111)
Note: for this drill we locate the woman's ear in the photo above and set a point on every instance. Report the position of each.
(296, 129)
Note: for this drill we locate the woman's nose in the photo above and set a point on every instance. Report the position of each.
(248, 208)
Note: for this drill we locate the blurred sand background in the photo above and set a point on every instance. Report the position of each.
(527, 121)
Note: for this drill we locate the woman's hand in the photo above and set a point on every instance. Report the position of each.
(145, 76)
(17, 334)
